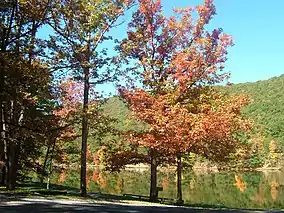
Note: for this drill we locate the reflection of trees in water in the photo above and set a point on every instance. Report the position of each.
(95, 175)
(240, 184)
(274, 176)
(192, 184)
(62, 177)
(246, 190)
(276, 181)
(274, 189)
(259, 197)
(119, 186)
(165, 183)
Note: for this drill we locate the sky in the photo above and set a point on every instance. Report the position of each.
(257, 28)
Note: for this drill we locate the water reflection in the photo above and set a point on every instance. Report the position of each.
(238, 190)
(274, 189)
(240, 184)
(259, 196)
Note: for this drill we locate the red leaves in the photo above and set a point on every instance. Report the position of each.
(149, 7)
(70, 104)
(178, 49)
(174, 128)
(70, 99)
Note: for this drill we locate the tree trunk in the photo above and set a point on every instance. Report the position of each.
(179, 173)
(49, 172)
(50, 148)
(12, 146)
(44, 164)
(3, 151)
(83, 183)
(12, 150)
(12, 172)
(153, 186)
(3, 175)
(2, 125)
(4, 144)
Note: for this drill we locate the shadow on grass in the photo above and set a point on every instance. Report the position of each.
(38, 185)
(36, 189)
(53, 205)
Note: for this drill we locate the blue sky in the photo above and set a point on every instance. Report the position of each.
(257, 27)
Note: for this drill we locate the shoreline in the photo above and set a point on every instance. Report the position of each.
(210, 169)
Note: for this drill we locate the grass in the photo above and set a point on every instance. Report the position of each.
(34, 189)
(38, 189)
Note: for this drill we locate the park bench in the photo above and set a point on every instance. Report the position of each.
(159, 189)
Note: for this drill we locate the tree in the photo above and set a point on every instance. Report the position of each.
(66, 116)
(25, 95)
(80, 27)
(178, 61)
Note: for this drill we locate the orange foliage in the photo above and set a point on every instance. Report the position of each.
(206, 128)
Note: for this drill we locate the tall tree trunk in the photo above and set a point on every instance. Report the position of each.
(83, 183)
(153, 186)
(11, 152)
(4, 141)
(2, 136)
(44, 164)
(49, 172)
(13, 147)
(2, 118)
(179, 174)
(12, 172)
(2, 121)
(50, 148)
(3, 152)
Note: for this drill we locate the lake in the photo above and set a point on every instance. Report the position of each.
(223, 189)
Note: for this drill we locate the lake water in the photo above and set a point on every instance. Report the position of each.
(224, 189)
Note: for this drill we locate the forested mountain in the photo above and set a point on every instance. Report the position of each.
(266, 108)
(267, 105)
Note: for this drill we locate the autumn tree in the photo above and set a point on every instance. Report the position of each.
(62, 144)
(79, 29)
(178, 60)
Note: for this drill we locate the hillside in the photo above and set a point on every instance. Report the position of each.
(267, 106)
